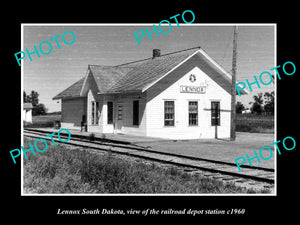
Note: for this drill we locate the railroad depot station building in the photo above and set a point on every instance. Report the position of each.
(179, 95)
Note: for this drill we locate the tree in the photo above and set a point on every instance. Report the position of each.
(269, 102)
(257, 105)
(239, 107)
(26, 98)
(33, 98)
(40, 109)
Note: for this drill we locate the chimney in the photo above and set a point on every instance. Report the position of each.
(156, 53)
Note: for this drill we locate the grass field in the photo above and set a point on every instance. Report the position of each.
(61, 170)
(254, 123)
(43, 121)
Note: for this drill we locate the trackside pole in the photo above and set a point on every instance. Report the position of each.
(233, 90)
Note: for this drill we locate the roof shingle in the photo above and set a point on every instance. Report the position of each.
(135, 76)
(107, 76)
(149, 71)
(72, 91)
(27, 105)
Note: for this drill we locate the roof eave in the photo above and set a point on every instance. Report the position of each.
(85, 78)
(119, 92)
(243, 91)
(68, 97)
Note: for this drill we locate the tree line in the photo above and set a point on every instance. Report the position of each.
(263, 103)
(33, 98)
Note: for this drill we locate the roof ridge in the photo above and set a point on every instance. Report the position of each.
(181, 50)
(159, 56)
(100, 65)
(109, 66)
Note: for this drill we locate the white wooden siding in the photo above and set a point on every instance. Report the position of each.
(169, 89)
(91, 97)
(107, 128)
(151, 107)
(127, 118)
(27, 115)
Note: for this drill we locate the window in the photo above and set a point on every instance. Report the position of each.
(193, 113)
(120, 109)
(169, 113)
(215, 113)
(135, 112)
(95, 113)
(109, 113)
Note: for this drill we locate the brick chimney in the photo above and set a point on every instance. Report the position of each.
(156, 53)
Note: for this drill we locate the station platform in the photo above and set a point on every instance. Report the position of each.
(214, 149)
(125, 138)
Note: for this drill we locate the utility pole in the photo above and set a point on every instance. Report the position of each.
(233, 91)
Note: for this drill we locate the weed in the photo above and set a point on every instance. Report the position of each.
(61, 170)
(91, 137)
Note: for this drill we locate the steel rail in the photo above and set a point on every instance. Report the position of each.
(157, 156)
(128, 145)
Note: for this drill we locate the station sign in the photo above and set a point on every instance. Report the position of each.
(193, 89)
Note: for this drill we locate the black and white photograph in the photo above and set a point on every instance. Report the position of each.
(139, 112)
(151, 115)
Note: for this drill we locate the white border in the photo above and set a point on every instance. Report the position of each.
(22, 129)
(151, 24)
(275, 114)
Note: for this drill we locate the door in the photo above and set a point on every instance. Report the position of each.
(119, 119)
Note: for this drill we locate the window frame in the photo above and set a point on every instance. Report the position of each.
(193, 113)
(95, 113)
(167, 114)
(215, 115)
(110, 112)
(135, 113)
(120, 112)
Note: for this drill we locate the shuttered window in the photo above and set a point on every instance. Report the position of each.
(120, 112)
(169, 113)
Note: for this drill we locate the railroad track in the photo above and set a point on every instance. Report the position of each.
(253, 177)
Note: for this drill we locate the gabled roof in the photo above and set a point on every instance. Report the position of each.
(72, 91)
(138, 76)
(27, 105)
(106, 76)
(149, 70)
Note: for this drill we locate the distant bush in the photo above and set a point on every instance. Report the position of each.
(39, 124)
(255, 123)
(43, 121)
(243, 127)
(60, 170)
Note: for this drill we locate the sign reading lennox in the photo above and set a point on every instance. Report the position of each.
(193, 89)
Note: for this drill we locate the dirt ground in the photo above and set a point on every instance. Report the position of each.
(222, 150)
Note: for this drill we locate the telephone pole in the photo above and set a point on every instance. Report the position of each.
(233, 91)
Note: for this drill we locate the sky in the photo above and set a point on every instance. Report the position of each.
(113, 44)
